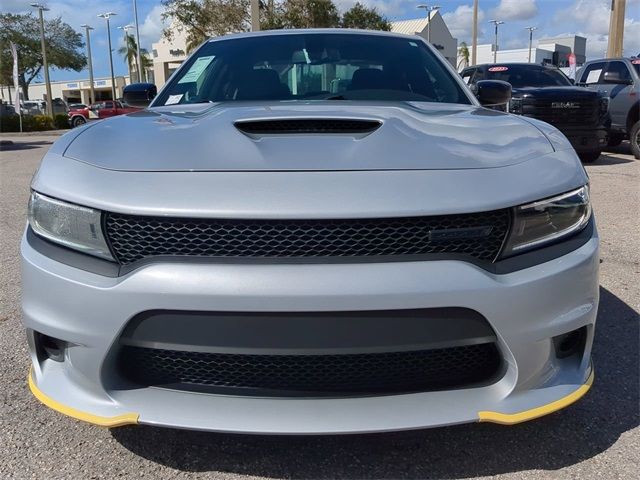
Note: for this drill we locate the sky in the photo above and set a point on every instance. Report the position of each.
(589, 18)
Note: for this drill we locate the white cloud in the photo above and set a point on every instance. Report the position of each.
(591, 20)
(515, 10)
(460, 22)
(389, 8)
(151, 28)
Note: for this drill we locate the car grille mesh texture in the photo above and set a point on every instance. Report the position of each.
(476, 235)
(370, 373)
(274, 127)
(584, 112)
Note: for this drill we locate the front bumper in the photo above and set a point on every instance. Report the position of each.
(526, 308)
(587, 139)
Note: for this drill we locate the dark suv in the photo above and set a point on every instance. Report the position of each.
(545, 93)
(618, 79)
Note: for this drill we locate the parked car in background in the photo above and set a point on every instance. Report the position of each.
(311, 231)
(39, 107)
(6, 109)
(32, 107)
(545, 93)
(99, 111)
(619, 79)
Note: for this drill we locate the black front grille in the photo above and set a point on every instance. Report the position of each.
(563, 113)
(307, 125)
(335, 374)
(474, 235)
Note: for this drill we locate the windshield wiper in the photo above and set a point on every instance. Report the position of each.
(335, 97)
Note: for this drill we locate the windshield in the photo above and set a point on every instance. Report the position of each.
(313, 66)
(522, 76)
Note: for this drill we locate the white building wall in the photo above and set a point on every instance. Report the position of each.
(521, 55)
(73, 90)
(167, 56)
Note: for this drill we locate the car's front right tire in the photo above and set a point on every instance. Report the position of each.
(634, 139)
(77, 121)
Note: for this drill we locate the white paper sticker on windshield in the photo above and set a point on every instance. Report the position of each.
(196, 69)
(173, 99)
(593, 76)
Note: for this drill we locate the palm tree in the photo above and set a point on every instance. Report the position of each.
(128, 51)
(463, 55)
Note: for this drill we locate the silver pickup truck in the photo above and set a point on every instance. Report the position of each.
(619, 78)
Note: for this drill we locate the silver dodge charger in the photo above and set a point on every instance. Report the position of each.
(311, 232)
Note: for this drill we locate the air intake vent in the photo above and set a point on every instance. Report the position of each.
(307, 125)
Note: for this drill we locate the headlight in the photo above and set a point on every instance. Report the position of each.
(70, 225)
(515, 105)
(604, 105)
(549, 220)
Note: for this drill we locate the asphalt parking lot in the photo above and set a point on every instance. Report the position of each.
(597, 438)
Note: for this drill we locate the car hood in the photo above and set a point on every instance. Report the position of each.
(410, 136)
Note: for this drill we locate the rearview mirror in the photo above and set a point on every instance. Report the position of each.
(492, 93)
(139, 94)
(614, 77)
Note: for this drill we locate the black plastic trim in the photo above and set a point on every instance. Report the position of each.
(72, 258)
(503, 266)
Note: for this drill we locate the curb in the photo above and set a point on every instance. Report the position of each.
(46, 133)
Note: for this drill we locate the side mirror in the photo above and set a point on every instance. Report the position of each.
(139, 94)
(614, 77)
(492, 93)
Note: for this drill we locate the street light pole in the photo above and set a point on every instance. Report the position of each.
(474, 33)
(141, 72)
(495, 51)
(45, 65)
(106, 16)
(255, 15)
(531, 29)
(429, 9)
(92, 94)
(125, 29)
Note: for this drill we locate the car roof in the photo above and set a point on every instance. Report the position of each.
(514, 64)
(303, 31)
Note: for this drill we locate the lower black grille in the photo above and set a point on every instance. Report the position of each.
(474, 235)
(335, 374)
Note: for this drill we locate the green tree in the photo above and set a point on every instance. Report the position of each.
(463, 55)
(203, 19)
(359, 16)
(128, 52)
(310, 14)
(63, 43)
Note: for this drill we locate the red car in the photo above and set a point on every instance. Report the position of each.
(98, 111)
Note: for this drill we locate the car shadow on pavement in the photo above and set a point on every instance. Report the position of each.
(21, 145)
(562, 439)
(607, 159)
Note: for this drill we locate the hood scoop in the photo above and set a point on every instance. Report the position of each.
(289, 126)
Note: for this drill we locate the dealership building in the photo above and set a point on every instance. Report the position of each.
(552, 51)
(433, 26)
(72, 91)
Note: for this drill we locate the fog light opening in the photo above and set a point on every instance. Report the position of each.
(570, 343)
(49, 347)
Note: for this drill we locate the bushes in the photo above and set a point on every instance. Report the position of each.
(9, 123)
(36, 123)
(61, 121)
(32, 123)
